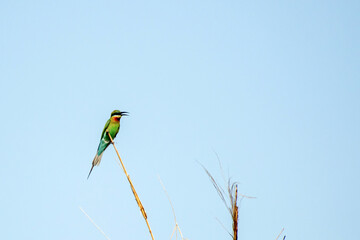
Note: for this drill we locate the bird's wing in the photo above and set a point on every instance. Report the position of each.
(106, 126)
(103, 143)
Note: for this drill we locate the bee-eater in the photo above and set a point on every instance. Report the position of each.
(112, 126)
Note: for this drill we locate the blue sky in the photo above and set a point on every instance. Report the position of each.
(271, 86)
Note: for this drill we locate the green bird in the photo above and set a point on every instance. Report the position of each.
(112, 126)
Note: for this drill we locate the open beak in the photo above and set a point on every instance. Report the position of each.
(124, 114)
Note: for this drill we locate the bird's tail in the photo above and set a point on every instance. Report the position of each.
(95, 162)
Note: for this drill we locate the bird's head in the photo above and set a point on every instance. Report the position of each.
(116, 115)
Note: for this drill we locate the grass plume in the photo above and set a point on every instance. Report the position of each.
(232, 194)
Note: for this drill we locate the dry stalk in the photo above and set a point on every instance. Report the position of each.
(98, 228)
(280, 234)
(172, 208)
(235, 215)
(232, 192)
(142, 209)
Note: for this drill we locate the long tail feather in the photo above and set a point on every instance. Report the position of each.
(90, 171)
(95, 162)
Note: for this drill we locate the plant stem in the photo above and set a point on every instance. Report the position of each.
(132, 188)
(92, 221)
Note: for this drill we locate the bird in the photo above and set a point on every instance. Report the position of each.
(111, 126)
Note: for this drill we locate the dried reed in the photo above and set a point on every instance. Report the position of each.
(176, 228)
(142, 209)
(232, 192)
(92, 221)
(280, 234)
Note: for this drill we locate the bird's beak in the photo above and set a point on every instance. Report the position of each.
(124, 114)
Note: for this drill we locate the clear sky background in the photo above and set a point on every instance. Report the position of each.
(271, 86)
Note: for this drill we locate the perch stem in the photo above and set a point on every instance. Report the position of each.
(142, 209)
